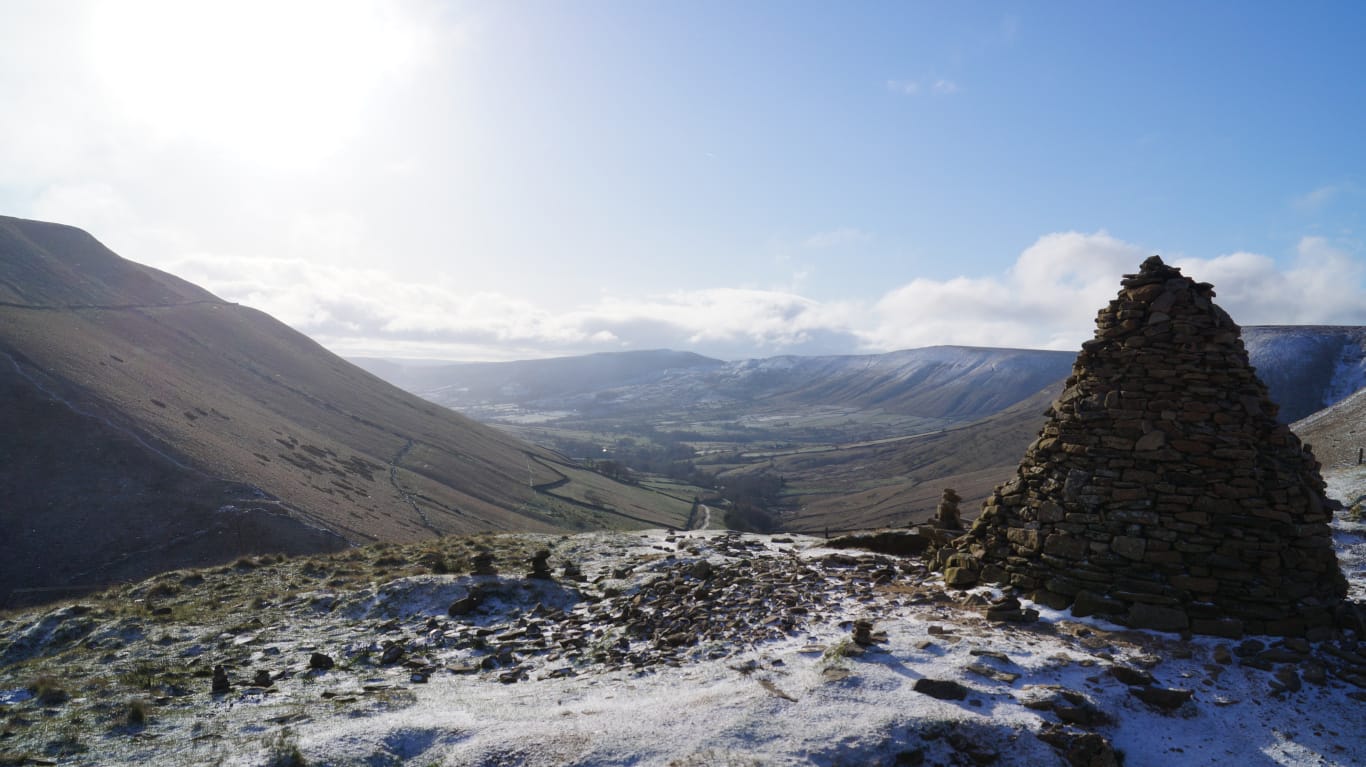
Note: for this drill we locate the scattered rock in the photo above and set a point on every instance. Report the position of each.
(1131, 676)
(1163, 699)
(1080, 749)
(463, 606)
(981, 669)
(320, 662)
(943, 689)
(393, 653)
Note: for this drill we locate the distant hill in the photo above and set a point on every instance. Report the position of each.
(149, 424)
(464, 384)
(1307, 367)
(944, 383)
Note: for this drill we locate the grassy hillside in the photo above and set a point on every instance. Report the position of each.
(234, 416)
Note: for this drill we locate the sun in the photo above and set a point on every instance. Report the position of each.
(280, 83)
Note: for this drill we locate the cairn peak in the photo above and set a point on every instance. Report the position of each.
(1162, 492)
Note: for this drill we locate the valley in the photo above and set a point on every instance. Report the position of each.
(849, 442)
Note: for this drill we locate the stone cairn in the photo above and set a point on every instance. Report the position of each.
(946, 515)
(1162, 493)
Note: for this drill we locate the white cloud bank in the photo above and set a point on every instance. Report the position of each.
(1047, 299)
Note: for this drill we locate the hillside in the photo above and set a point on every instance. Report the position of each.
(1338, 437)
(943, 384)
(464, 384)
(1307, 367)
(893, 483)
(156, 425)
(702, 648)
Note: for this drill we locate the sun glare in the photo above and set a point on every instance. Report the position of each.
(276, 83)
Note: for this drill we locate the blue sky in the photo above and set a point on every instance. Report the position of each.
(502, 180)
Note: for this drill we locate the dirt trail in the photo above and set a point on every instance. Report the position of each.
(394, 466)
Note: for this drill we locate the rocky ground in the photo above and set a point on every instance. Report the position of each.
(665, 648)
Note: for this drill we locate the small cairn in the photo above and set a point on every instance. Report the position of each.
(220, 680)
(1162, 492)
(540, 566)
(483, 563)
(946, 515)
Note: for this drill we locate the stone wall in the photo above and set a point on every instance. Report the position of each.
(1162, 492)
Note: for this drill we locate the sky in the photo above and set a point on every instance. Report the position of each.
(508, 180)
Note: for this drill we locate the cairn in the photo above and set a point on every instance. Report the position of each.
(946, 515)
(483, 563)
(1162, 492)
(540, 566)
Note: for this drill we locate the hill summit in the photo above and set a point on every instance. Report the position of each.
(1162, 491)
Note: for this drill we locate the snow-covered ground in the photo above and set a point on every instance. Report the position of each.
(535, 672)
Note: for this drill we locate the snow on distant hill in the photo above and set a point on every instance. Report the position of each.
(1307, 368)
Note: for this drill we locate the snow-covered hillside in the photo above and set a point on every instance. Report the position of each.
(702, 648)
(1307, 368)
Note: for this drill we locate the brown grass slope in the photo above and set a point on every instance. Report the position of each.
(147, 412)
(896, 483)
(1337, 434)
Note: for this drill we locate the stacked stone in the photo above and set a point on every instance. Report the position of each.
(1162, 492)
(946, 515)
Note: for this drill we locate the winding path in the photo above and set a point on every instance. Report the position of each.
(404, 494)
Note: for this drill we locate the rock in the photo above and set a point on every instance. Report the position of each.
(262, 679)
(1146, 616)
(1286, 680)
(701, 570)
(1080, 749)
(1131, 676)
(1314, 672)
(1163, 699)
(942, 689)
(960, 577)
(463, 606)
(1091, 603)
(901, 543)
(320, 662)
(393, 652)
(981, 669)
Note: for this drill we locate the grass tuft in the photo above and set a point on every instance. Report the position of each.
(49, 691)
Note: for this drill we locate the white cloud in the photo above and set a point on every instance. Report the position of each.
(1318, 198)
(1323, 286)
(940, 86)
(834, 238)
(1047, 299)
(367, 311)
